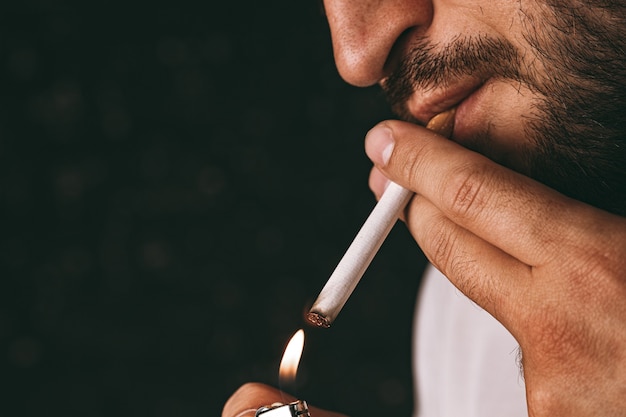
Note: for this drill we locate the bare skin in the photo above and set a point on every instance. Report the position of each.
(252, 396)
(507, 232)
(552, 273)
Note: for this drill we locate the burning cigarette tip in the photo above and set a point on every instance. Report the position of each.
(317, 320)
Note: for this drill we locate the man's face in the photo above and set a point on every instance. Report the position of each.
(539, 86)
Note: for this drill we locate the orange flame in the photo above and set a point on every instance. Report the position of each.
(291, 358)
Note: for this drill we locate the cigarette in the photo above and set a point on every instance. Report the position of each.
(368, 240)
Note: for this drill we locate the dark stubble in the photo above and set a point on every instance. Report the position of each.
(576, 130)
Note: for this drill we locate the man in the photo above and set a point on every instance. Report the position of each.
(522, 210)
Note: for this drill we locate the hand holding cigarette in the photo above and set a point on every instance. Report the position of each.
(366, 244)
(548, 267)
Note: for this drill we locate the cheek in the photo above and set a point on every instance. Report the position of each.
(499, 19)
(495, 122)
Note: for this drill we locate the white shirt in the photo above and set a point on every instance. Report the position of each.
(466, 362)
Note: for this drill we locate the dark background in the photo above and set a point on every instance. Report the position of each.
(178, 181)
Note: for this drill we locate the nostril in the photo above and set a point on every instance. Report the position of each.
(398, 50)
(370, 37)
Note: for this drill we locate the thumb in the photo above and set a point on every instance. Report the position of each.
(397, 156)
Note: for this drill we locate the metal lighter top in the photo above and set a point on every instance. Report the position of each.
(297, 408)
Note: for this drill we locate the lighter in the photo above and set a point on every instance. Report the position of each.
(295, 409)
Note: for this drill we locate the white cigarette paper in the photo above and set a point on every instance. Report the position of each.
(368, 240)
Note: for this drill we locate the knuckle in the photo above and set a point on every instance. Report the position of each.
(413, 163)
(446, 255)
(466, 191)
(442, 244)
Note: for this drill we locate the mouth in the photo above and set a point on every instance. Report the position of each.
(423, 106)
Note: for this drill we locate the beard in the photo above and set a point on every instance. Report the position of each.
(576, 130)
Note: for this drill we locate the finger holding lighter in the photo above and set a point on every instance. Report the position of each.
(256, 399)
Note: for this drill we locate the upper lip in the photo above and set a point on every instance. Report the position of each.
(423, 105)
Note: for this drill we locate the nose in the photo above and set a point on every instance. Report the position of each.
(364, 33)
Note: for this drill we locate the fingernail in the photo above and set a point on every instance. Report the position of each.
(379, 145)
